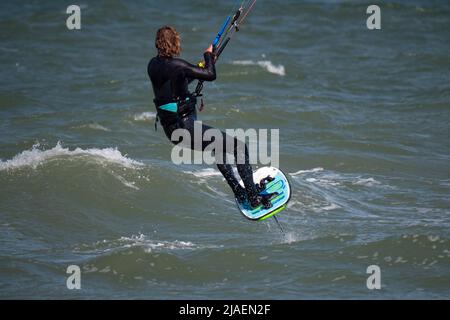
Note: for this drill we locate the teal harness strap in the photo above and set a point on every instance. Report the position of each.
(171, 107)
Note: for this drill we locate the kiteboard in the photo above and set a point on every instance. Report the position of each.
(279, 184)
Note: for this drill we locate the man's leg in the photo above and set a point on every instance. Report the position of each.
(238, 190)
(242, 163)
(224, 168)
(245, 170)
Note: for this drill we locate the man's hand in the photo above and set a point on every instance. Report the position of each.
(201, 64)
(210, 49)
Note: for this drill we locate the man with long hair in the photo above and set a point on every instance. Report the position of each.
(176, 109)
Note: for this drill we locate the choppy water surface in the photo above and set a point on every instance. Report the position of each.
(364, 137)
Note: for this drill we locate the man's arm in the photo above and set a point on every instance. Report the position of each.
(208, 73)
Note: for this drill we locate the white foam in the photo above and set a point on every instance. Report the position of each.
(144, 116)
(368, 182)
(270, 67)
(126, 183)
(149, 245)
(141, 241)
(291, 237)
(35, 157)
(94, 126)
(306, 171)
(265, 64)
(330, 207)
(209, 172)
(325, 181)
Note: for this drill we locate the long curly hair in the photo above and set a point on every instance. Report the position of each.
(168, 42)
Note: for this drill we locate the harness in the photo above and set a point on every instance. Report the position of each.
(175, 110)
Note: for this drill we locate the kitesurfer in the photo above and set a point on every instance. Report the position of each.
(176, 108)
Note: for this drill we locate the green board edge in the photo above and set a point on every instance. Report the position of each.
(272, 213)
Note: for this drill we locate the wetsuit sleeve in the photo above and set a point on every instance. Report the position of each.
(206, 74)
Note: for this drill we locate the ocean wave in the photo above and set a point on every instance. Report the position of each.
(326, 181)
(209, 172)
(35, 157)
(319, 169)
(149, 245)
(140, 241)
(320, 176)
(291, 237)
(144, 116)
(367, 182)
(419, 250)
(129, 184)
(94, 126)
(331, 206)
(10, 50)
(265, 64)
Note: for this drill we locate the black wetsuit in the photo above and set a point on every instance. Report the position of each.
(170, 78)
